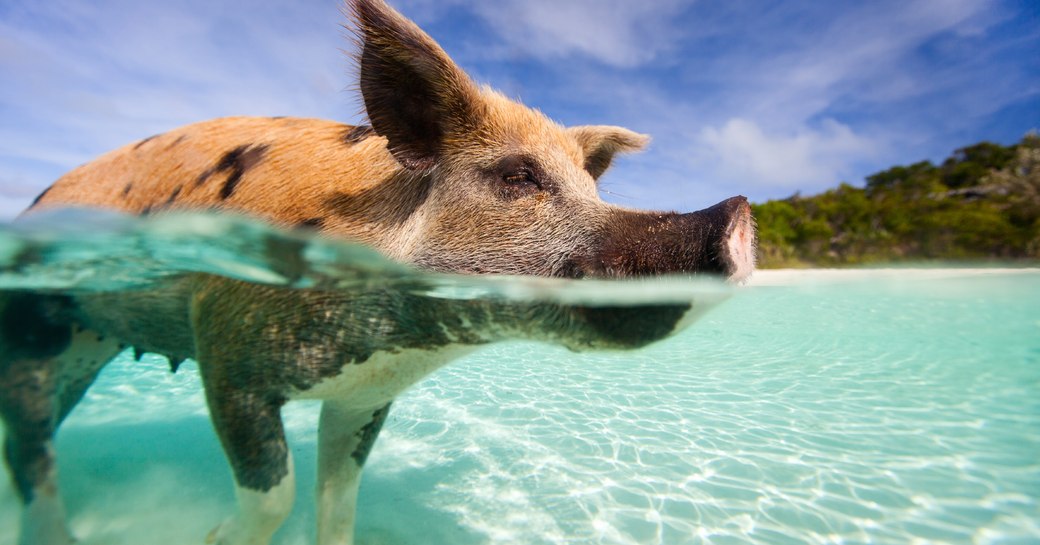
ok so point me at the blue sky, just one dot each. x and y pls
(754, 97)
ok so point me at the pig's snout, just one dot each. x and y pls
(718, 240)
(730, 231)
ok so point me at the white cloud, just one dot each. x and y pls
(862, 52)
(741, 151)
(615, 32)
(619, 33)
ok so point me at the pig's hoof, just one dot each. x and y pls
(218, 535)
(233, 532)
(44, 525)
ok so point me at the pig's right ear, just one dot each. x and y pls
(414, 93)
(602, 142)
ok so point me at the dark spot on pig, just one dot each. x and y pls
(179, 139)
(245, 160)
(206, 174)
(147, 210)
(312, 223)
(277, 117)
(173, 196)
(126, 189)
(250, 426)
(34, 326)
(369, 432)
(357, 134)
(146, 140)
(235, 162)
(40, 196)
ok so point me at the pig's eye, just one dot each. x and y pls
(520, 179)
(518, 176)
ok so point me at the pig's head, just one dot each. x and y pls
(506, 190)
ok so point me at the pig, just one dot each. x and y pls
(449, 176)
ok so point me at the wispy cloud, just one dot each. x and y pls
(618, 33)
(614, 32)
(740, 150)
(868, 52)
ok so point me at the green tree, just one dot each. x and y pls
(968, 166)
(983, 202)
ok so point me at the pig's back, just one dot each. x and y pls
(284, 170)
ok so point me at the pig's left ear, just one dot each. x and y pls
(414, 94)
(601, 143)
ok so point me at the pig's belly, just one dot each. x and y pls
(379, 379)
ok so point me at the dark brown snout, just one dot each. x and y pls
(733, 249)
(718, 240)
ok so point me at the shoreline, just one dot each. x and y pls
(786, 277)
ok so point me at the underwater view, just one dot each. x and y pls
(859, 406)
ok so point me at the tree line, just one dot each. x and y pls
(981, 203)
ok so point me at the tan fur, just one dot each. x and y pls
(307, 159)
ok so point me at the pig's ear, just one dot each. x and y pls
(414, 93)
(601, 143)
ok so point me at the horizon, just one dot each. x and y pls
(742, 98)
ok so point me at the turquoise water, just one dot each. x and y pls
(867, 407)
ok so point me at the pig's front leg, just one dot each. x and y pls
(346, 435)
(249, 425)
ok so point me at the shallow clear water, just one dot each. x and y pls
(811, 408)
